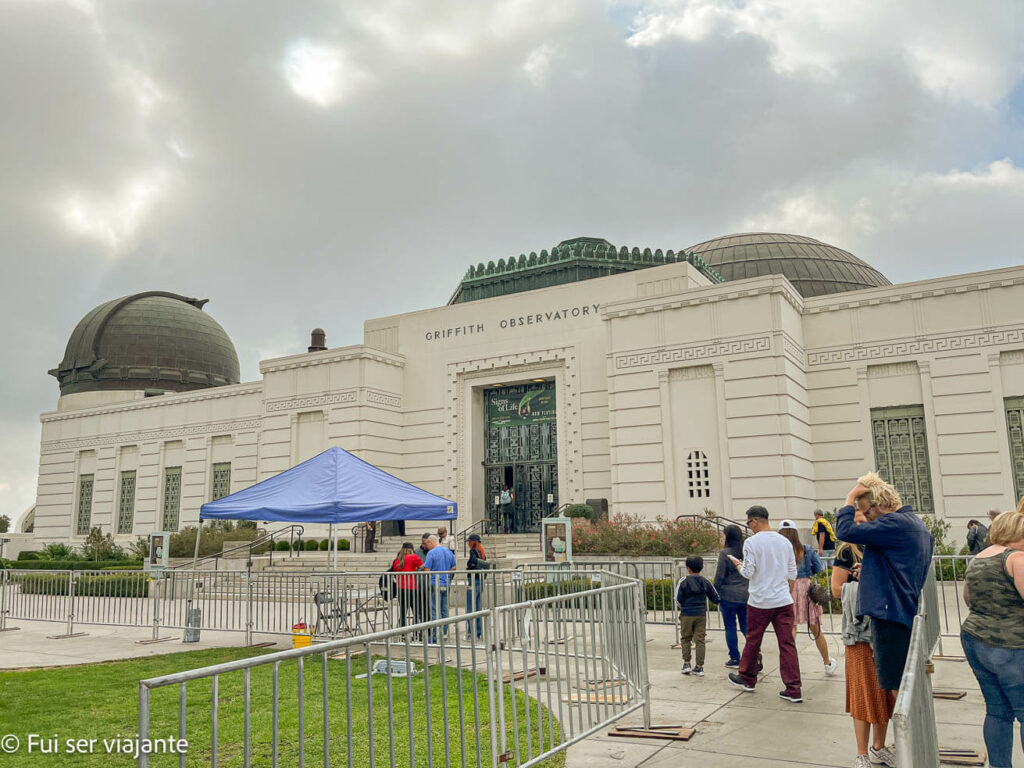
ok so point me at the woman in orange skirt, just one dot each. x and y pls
(868, 705)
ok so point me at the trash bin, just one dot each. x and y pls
(193, 621)
(302, 635)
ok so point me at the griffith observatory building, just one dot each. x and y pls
(753, 368)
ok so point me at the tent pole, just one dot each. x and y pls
(334, 544)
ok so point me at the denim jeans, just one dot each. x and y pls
(731, 614)
(438, 607)
(1000, 673)
(474, 600)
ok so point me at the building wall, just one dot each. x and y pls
(775, 391)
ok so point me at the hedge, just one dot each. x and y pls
(72, 565)
(98, 585)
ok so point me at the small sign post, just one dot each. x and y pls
(159, 551)
(556, 534)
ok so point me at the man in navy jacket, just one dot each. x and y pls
(897, 556)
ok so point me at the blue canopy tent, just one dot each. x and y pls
(332, 487)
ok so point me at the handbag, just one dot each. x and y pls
(818, 595)
(483, 565)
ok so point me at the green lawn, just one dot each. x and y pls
(101, 701)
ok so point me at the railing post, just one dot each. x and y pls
(248, 608)
(71, 602)
(143, 722)
(3, 600)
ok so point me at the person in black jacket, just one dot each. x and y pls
(692, 595)
(732, 588)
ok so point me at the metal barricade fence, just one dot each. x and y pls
(261, 602)
(574, 663)
(914, 714)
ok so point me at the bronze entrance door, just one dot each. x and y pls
(521, 438)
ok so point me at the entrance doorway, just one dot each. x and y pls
(521, 438)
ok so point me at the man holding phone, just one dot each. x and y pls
(770, 566)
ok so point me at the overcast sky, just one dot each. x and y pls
(320, 163)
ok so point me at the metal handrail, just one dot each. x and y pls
(719, 522)
(294, 531)
(479, 527)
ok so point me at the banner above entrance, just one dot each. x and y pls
(521, 405)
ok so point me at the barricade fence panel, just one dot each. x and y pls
(346, 603)
(542, 675)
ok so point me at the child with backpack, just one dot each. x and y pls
(692, 594)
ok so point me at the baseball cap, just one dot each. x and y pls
(787, 524)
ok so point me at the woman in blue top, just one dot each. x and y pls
(808, 564)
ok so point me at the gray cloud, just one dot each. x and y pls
(321, 163)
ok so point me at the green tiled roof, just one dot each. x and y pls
(581, 258)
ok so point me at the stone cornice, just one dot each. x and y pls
(685, 353)
(923, 289)
(691, 297)
(159, 401)
(340, 355)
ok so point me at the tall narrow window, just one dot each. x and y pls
(84, 516)
(126, 502)
(172, 498)
(221, 480)
(1015, 429)
(698, 475)
(901, 453)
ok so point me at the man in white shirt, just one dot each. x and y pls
(444, 539)
(770, 566)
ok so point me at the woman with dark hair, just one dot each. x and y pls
(408, 589)
(733, 590)
(474, 594)
(806, 611)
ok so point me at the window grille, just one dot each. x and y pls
(901, 453)
(172, 498)
(221, 480)
(698, 475)
(126, 502)
(84, 516)
(1015, 430)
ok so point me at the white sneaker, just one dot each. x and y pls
(830, 668)
(884, 756)
(862, 761)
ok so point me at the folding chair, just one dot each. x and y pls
(331, 618)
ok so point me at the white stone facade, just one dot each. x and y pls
(657, 372)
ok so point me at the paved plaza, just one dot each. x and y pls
(733, 728)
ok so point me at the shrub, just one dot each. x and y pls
(75, 565)
(28, 555)
(659, 594)
(297, 545)
(312, 545)
(630, 535)
(282, 546)
(183, 542)
(59, 552)
(557, 586)
(344, 545)
(325, 545)
(584, 511)
(138, 549)
(100, 546)
(98, 585)
(951, 568)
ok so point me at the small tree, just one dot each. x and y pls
(5, 523)
(98, 546)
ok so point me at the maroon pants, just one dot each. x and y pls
(782, 622)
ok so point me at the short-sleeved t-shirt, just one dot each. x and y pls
(846, 561)
(412, 562)
(441, 560)
(821, 525)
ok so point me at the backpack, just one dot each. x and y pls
(388, 585)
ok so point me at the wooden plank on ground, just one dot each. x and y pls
(345, 654)
(961, 757)
(522, 674)
(948, 693)
(596, 685)
(665, 732)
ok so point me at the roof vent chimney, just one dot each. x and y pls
(317, 340)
